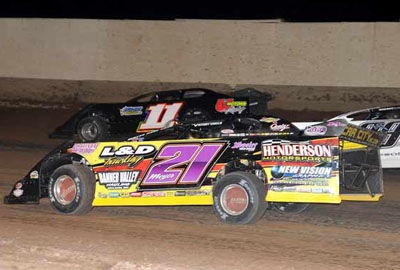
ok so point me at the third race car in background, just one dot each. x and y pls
(156, 110)
(384, 119)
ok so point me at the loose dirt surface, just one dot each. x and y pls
(348, 236)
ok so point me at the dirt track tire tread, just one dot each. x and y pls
(85, 186)
(101, 125)
(256, 192)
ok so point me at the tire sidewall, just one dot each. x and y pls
(255, 198)
(75, 173)
(94, 120)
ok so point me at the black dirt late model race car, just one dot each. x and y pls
(156, 110)
(239, 165)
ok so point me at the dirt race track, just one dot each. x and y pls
(347, 236)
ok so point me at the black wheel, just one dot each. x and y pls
(92, 129)
(194, 115)
(290, 208)
(239, 198)
(71, 189)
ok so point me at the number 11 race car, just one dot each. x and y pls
(238, 165)
(156, 110)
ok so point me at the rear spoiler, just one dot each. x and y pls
(258, 101)
(360, 170)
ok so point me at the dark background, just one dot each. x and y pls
(284, 10)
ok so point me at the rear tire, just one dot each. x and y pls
(239, 198)
(71, 189)
(92, 129)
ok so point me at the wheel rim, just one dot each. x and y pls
(65, 189)
(89, 131)
(234, 199)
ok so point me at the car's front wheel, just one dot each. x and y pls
(92, 129)
(71, 189)
(239, 198)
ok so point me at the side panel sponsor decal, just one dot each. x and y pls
(361, 135)
(129, 111)
(118, 179)
(84, 148)
(160, 116)
(297, 152)
(229, 105)
(245, 146)
(309, 167)
(279, 127)
(182, 164)
(315, 130)
(127, 150)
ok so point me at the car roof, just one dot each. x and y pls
(370, 109)
(186, 92)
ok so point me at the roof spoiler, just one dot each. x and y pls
(258, 100)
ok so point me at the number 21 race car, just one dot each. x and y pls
(238, 165)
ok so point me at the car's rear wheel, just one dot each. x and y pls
(92, 129)
(239, 198)
(71, 189)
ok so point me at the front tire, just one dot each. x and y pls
(239, 198)
(92, 129)
(71, 189)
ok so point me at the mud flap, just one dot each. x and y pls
(25, 191)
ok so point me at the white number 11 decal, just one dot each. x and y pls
(160, 116)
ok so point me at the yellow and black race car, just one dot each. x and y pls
(239, 165)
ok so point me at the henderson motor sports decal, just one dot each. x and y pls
(297, 152)
(306, 167)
